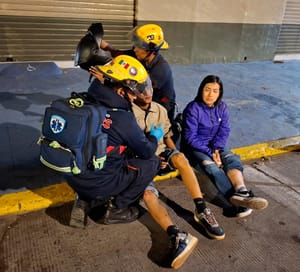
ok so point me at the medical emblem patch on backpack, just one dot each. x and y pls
(57, 123)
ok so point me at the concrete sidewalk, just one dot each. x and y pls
(267, 240)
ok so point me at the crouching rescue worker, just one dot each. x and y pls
(182, 243)
(122, 178)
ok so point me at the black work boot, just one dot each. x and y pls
(116, 216)
(79, 213)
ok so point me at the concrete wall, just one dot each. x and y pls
(206, 31)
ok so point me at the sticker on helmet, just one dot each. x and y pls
(133, 71)
(57, 123)
(150, 37)
(124, 64)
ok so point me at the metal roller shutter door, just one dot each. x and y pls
(50, 30)
(289, 37)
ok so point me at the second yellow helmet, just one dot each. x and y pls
(148, 37)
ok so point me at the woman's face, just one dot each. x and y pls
(210, 94)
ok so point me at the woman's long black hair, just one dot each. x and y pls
(209, 79)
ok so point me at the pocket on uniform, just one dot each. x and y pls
(56, 157)
(100, 151)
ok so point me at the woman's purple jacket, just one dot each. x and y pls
(205, 129)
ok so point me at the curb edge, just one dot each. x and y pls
(54, 195)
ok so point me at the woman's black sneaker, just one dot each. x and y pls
(248, 200)
(239, 212)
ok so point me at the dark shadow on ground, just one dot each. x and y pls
(183, 213)
(19, 161)
(61, 213)
(159, 251)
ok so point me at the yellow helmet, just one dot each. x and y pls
(129, 72)
(148, 37)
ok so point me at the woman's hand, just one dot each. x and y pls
(217, 158)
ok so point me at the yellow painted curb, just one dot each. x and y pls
(266, 149)
(54, 195)
(170, 175)
(29, 201)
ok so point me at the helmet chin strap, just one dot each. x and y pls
(146, 60)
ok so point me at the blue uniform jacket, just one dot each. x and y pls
(123, 132)
(162, 80)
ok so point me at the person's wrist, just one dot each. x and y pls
(106, 46)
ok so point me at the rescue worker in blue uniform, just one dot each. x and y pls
(124, 178)
(147, 40)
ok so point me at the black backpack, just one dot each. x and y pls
(177, 130)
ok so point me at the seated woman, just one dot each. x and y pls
(206, 130)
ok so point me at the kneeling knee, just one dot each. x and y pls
(149, 196)
(179, 159)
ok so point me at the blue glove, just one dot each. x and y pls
(157, 132)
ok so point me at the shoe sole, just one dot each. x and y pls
(110, 221)
(78, 218)
(244, 214)
(107, 221)
(255, 203)
(179, 261)
(211, 235)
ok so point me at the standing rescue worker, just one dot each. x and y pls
(147, 40)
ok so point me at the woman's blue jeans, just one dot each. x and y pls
(219, 175)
